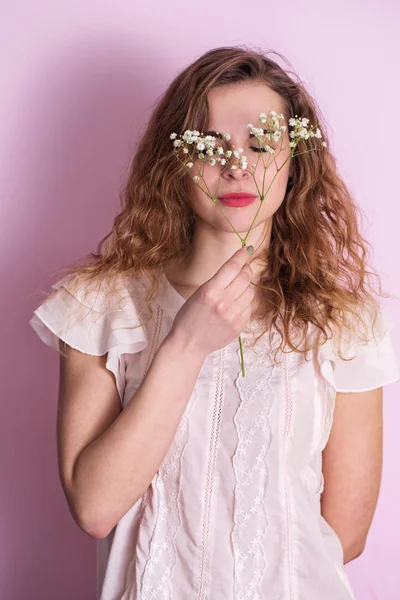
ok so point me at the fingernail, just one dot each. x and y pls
(250, 249)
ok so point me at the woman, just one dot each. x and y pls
(196, 481)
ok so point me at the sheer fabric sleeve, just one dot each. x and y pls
(86, 326)
(373, 363)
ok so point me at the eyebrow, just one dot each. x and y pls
(220, 136)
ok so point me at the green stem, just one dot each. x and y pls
(240, 342)
(241, 355)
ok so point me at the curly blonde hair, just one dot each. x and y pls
(316, 263)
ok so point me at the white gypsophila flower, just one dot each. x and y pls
(236, 154)
(233, 167)
(305, 122)
(191, 136)
(292, 134)
(269, 149)
(228, 153)
(187, 137)
(200, 146)
(189, 165)
(201, 155)
(220, 150)
(177, 143)
(263, 120)
(210, 152)
(272, 113)
(292, 144)
(212, 161)
(227, 136)
(262, 116)
(292, 122)
(323, 144)
(173, 136)
(196, 178)
(185, 151)
(223, 161)
(318, 133)
(240, 149)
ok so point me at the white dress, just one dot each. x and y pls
(233, 512)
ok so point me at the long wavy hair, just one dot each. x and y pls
(316, 265)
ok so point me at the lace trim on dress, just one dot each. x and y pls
(289, 418)
(251, 471)
(156, 580)
(204, 577)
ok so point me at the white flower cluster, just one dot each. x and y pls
(300, 131)
(204, 146)
(272, 134)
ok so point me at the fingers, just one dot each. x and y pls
(231, 269)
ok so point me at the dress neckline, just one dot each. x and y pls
(173, 299)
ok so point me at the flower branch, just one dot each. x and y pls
(193, 146)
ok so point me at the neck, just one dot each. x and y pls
(209, 252)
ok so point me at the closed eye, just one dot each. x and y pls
(259, 149)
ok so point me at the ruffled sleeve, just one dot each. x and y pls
(85, 324)
(373, 363)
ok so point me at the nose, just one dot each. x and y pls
(236, 173)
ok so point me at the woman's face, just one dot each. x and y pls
(231, 109)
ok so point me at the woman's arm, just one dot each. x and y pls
(108, 458)
(352, 468)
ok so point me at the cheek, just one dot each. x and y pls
(211, 174)
(269, 172)
(200, 202)
(268, 163)
(269, 207)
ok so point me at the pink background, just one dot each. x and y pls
(78, 80)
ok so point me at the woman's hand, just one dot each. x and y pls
(218, 310)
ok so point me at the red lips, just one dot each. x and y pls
(236, 195)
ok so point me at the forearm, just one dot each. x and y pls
(351, 543)
(113, 472)
(351, 551)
